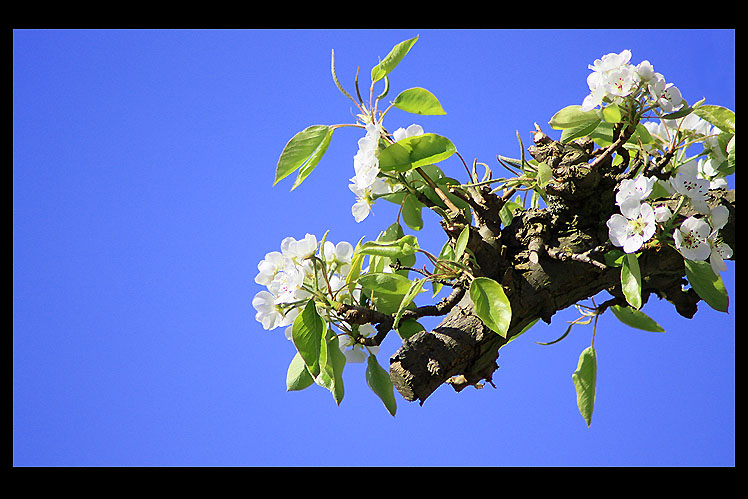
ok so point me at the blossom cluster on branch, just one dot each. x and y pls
(328, 301)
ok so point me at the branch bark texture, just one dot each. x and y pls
(546, 260)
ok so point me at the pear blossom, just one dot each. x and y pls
(364, 197)
(706, 170)
(269, 267)
(688, 183)
(691, 239)
(638, 189)
(645, 71)
(620, 82)
(635, 226)
(301, 249)
(341, 252)
(719, 250)
(404, 133)
(269, 313)
(356, 354)
(662, 213)
(611, 61)
(670, 100)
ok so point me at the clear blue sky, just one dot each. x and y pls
(143, 164)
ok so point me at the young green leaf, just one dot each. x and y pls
(399, 248)
(491, 304)
(408, 328)
(573, 116)
(298, 377)
(719, 116)
(415, 288)
(380, 383)
(575, 132)
(636, 319)
(412, 212)
(332, 363)
(707, 284)
(306, 148)
(383, 282)
(392, 60)
(461, 243)
(412, 152)
(612, 113)
(545, 174)
(585, 379)
(307, 332)
(631, 280)
(418, 101)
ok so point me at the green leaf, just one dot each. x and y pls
(332, 363)
(307, 332)
(412, 212)
(731, 154)
(578, 131)
(392, 60)
(415, 288)
(383, 282)
(305, 149)
(680, 113)
(631, 280)
(545, 174)
(418, 101)
(399, 248)
(612, 113)
(719, 116)
(585, 380)
(573, 116)
(641, 134)
(412, 152)
(636, 319)
(707, 284)
(380, 383)
(506, 214)
(461, 243)
(491, 304)
(603, 134)
(298, 377)
(408, 328)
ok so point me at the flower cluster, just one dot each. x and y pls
(696, 238)
(366, 184)
(636, 224)
(613, 79)
(294, 274)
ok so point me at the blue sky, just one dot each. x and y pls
(143, 163)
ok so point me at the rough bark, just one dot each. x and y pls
(546, 260)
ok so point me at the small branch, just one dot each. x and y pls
(562, 255)
(354, 314)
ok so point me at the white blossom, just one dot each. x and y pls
(645, 71)
(269, 313)
(364, 197)
(719, 250)
(356, 353)
(707, 171)
(638, 189)
(688, 183)
(268, 267)
(635, 226)
(404, 133)
(662, 214)
(691, 239)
